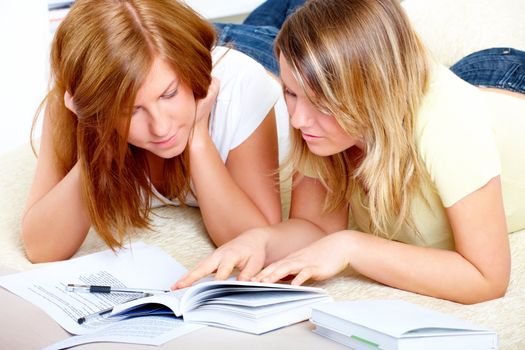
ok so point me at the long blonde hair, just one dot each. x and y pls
(363, 64)
(101, 53)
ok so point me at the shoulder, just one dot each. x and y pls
(230, 63)
(240, 73)
(449, 99)
(228, 54)
(451, 111)
(247, 94)
(246, 88)
(454, 136)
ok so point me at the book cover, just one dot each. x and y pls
(395, 324)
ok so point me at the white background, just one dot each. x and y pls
(25, 37)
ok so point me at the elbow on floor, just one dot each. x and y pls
(37, 253)
(494, 290)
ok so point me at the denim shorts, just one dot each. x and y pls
(502, 68)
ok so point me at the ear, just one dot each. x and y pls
(68, 101)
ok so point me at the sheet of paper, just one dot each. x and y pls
(136, 266)
(151, 330)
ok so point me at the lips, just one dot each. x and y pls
(308, 137)
(165, 142)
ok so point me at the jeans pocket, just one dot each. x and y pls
(502, 68)
(514, 79)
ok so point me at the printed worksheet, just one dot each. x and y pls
(135, 266)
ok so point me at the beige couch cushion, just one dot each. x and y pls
(453, 29)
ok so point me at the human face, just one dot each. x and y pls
(321, 132)
(163, 113)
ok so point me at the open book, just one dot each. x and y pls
(254, 307)
(394, 324)
(244, 306)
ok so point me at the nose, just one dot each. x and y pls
(301, 116)
(159, 122)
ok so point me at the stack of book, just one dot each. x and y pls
(394, 324)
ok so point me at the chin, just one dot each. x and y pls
(169, 153)
(321, 152)
(329, 150)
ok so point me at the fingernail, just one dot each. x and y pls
(178, 285)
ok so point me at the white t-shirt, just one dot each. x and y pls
(247, 94)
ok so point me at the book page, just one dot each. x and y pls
(138, 266)
(249, 306)
(207, 290)
(170, 300)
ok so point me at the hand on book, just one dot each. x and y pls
(318, 261)
(247, 253)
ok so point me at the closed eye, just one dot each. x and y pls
(135, 110)
(289, 93)
(170, 94)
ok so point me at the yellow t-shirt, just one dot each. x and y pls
(465, 137)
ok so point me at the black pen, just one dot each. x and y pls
(107, 311)
(71, 287)
(95, 314)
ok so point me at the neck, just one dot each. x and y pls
(356, 154)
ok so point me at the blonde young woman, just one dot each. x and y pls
(127, 127)
(401, 170)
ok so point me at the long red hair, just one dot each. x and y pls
(101, 53)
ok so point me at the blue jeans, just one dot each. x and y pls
(497, 67)
(502, 68)
(256, 35)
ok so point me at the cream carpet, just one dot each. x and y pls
(180, 232)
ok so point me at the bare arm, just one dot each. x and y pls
(478, 270)
(254, 249)
(244, 192)
(55, 220)
(307, 222)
